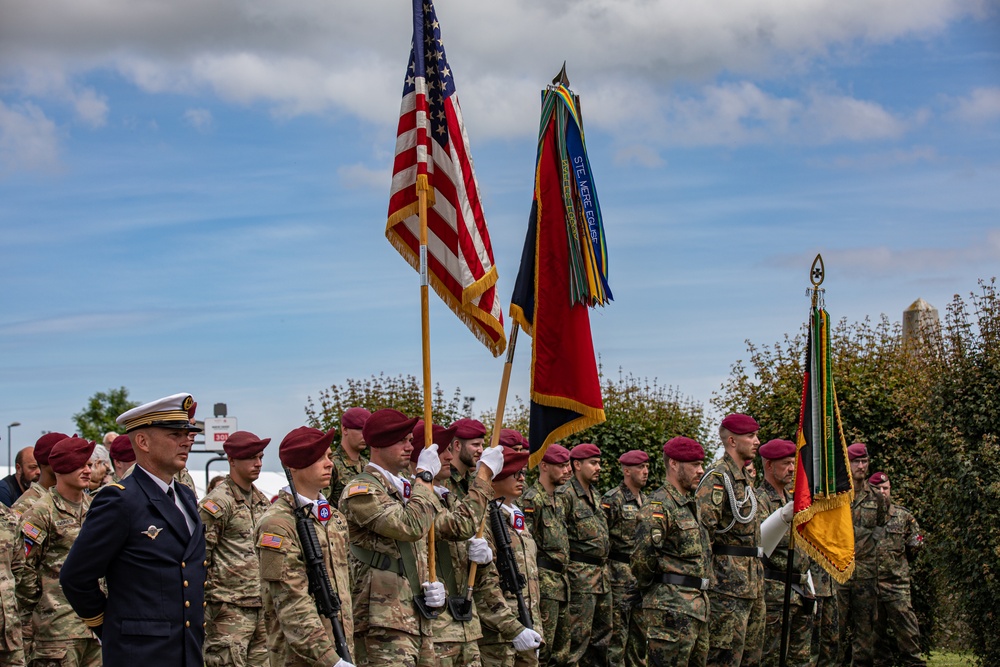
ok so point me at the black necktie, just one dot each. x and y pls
(170, 494)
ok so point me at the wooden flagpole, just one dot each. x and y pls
(425, 337)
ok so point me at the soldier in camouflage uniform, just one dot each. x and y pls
(347, 459)
(728, 508)
(297, 636)
(389, 519)
(506, 641)
(11, 576)
(589, 609)
(672, 561)
(779, 466)
(235, 632)
(466, 449)
(455, 526)
(902, 540)
(46, 479)
(621, 507)
(543, 512)
(826, 621)
(49, 529)
(858, 599)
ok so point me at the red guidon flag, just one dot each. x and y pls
(432, 154)
(823, 487)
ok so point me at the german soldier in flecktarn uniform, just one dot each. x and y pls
(389, 519)
(49, 528)
(589, 609)
(621, 507)
(347, 459)
(506, 641)
(728, 509)
(297, 636)
(779, 466)
(901, 542)
(235, 632)
(672, 563)
(145, 538)
(456, 546)
(11, 576)
(544, 517)
(466, 449)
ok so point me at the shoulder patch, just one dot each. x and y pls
(210, 506)
(655, 502)
(359, 489)
(113, 485)
(528, 509)
(31, 530)
(606, 505)
(271, 541)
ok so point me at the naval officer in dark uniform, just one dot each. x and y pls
(145, 537)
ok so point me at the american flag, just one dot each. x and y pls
(432, 152)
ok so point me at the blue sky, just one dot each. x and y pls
(193, 197)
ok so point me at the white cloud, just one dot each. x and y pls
(362, 177)
(199, 119)
(981, 106)
(91, 107)
(28, 139)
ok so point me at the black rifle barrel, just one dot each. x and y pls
(511, 579)
(327, 600)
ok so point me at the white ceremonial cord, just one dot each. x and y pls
(736, 506)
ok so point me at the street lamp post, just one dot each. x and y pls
(9, 427)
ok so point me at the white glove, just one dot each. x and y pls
(429, 461)
(788, 511)
(527, 640)
(434, 594)
(344, 663)
(479, 551)
(492, 458)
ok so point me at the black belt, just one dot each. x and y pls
(548, 564)
(620, 556)
(589, 560)
(778, 575)
(684, 581)
(746, 552)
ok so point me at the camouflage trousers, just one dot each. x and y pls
(235, 636)
(67, 653)
(454, 654)
(555, 632)
(673, 638)
(588, 620)
(735, 631)
(381, 646)
(504, 655)
(13, 658)
(800, 627)
(628, 645)
(897, 621)
(858, 602)
(826, 632)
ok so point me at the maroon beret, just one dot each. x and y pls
(44, 445)
(511, 438)
(354, 418)
(440, 436)
(634, 457)
(70, 454)
(777, 449)
(584, 450)
(386, 427)
(556, 454)
(856, 451)
(302, 447)
(513, 461)
(878, 478)
(683, 449)
(121, 450)
(244, 445)
(740, 424)
(468, 429)
(194, 406)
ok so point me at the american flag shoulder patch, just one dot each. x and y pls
(31, 530)
(271, 541)
(357, 489)
(211, 507)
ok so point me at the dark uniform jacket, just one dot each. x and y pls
(138, 539)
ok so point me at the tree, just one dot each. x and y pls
(98, 417)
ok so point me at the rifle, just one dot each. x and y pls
(511, 580)
(327, 600)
